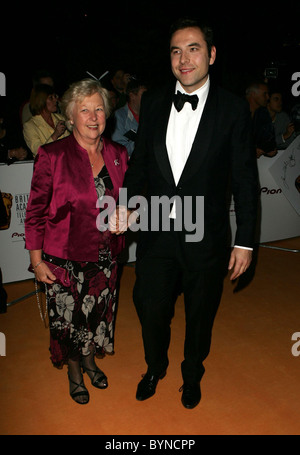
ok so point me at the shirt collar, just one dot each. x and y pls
(202, 91)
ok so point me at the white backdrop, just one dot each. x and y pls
(14, 259)
(279, 213)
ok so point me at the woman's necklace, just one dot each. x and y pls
(92, 164)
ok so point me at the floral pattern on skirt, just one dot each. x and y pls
(81, 317)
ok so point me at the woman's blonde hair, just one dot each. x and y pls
(80, 90)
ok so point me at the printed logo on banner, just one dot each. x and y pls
(20, 205)
(21, 201)
(7, 205)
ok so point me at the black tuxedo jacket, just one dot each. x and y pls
(222, 153)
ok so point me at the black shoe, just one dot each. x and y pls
(98, 378)
(79, 393)
(191, 395)
(147, 386)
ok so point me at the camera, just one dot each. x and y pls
(271, 73)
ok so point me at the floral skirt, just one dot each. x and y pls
(81, 317)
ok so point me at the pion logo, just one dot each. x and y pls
(265, 190)
(18, 236)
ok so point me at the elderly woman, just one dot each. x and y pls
(63, 235)
(46, 124)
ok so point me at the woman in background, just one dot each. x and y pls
(46, 124)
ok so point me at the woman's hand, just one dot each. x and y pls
(59, 130)
(44, 274)
(41, 270)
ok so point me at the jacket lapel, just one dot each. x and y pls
(160, 148)
(115, 164)
(203, 137)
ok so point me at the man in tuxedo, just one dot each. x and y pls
(188, 150)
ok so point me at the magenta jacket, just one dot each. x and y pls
(62, 212)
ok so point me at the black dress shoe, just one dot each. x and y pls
(147, 386)
(191, 395)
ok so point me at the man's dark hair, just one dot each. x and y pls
(134, 85)
(40, 74)
(186, 22)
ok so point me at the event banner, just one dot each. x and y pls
(15, 183)
(278, 211)
(286, 173)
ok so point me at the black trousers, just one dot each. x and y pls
(160, 274)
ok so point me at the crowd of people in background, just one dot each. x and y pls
(275, 125)
(273, 128)
(40, 121)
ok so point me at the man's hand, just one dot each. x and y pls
(239, 262)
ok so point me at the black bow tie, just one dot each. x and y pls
(180, 98)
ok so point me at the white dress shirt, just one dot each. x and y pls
(181, 131)
(182, 128)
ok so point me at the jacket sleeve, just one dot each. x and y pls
(244, 178)
(39, 201)
(33, 137)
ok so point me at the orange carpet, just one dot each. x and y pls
(251, 384)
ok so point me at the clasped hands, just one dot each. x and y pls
(121, 219)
